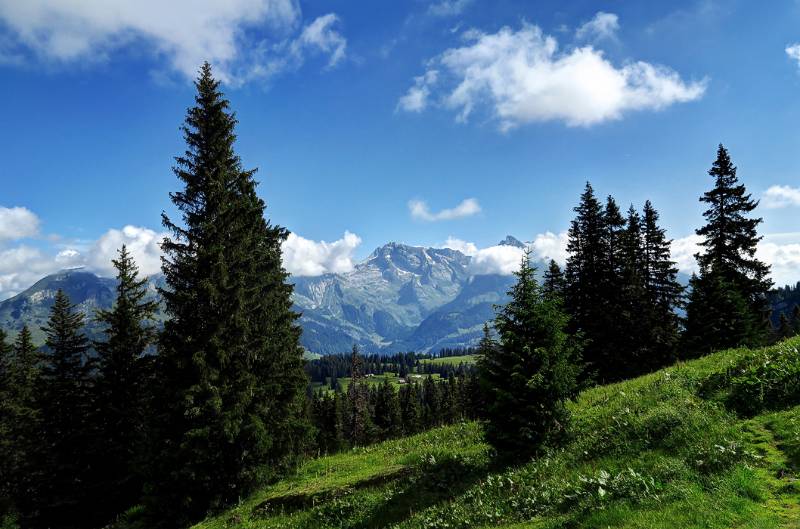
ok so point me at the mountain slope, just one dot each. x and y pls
(661, 451)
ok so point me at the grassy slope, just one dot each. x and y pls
(646, 453)
(452, 360)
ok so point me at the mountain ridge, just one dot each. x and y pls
(400, 298)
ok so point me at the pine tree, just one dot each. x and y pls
(553, 281)
(358, 421)
(6, 439)
(533, 371)
(784, 329)
(432, 399)
(586, 274)
(632, 309)
(664, 292)
(729, 271)
(20, 429)
(387, 411)
(233, 380)
(121, 391)
(796, 319)
(65, 455)
(411, 408)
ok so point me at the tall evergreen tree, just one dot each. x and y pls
(234, 385)
(6, 440)
(387, 411)
(730, 274)
(553, 280)
(124, 380)
(64, 457)
(19, 430)
(591, 287)
(664, 292)
(533, 371)
(358, 420)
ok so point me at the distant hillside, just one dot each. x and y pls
(685, 447)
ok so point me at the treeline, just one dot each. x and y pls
(329, 368)
(368, 413)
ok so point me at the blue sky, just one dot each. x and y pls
(375, 121)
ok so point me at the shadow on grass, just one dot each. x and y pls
(437, 483)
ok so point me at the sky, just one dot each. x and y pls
(446, 123)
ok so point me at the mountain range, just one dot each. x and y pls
(401, 298)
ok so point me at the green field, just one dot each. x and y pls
(451, 360)
(661, 451)
(376, 380)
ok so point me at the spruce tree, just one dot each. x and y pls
(533, 370)
(358, 421)
(632, 310)
(664, 292)
(796, 319)
(784, 329)
(730, 273)
(6, 439)
(586, 274)
(233, 380)
(411, 408)
(65, 454)
(20, 430)
(553, 280)
(387, 411)
(124, 379)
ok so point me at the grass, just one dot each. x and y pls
(451, 360)
(667, 450)
(377, 380)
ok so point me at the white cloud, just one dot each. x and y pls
(304, 257)
(448, 8)
(184, 32)
(501, 259)
(420, 211)
(781, 196)
(784, 259)
(504, 259)
(521, 77)
(17, 223)
(467, 248)
(602, 26)
(683, 251)
(416, 99)
(548, 245)
(793, 51)
(143, 244)
(320, 35)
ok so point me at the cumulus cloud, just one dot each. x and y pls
(781, 196)
(144, 245)
(683, 251)
(504, 259)
(420, 211)
(448, 8)
(602, 26)
(521, 77)
(467, 248)
(501, 259)
(304, 257)
(793, 51)
(416, 99)
(548, 245)
(184, 32)
(17, 223)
